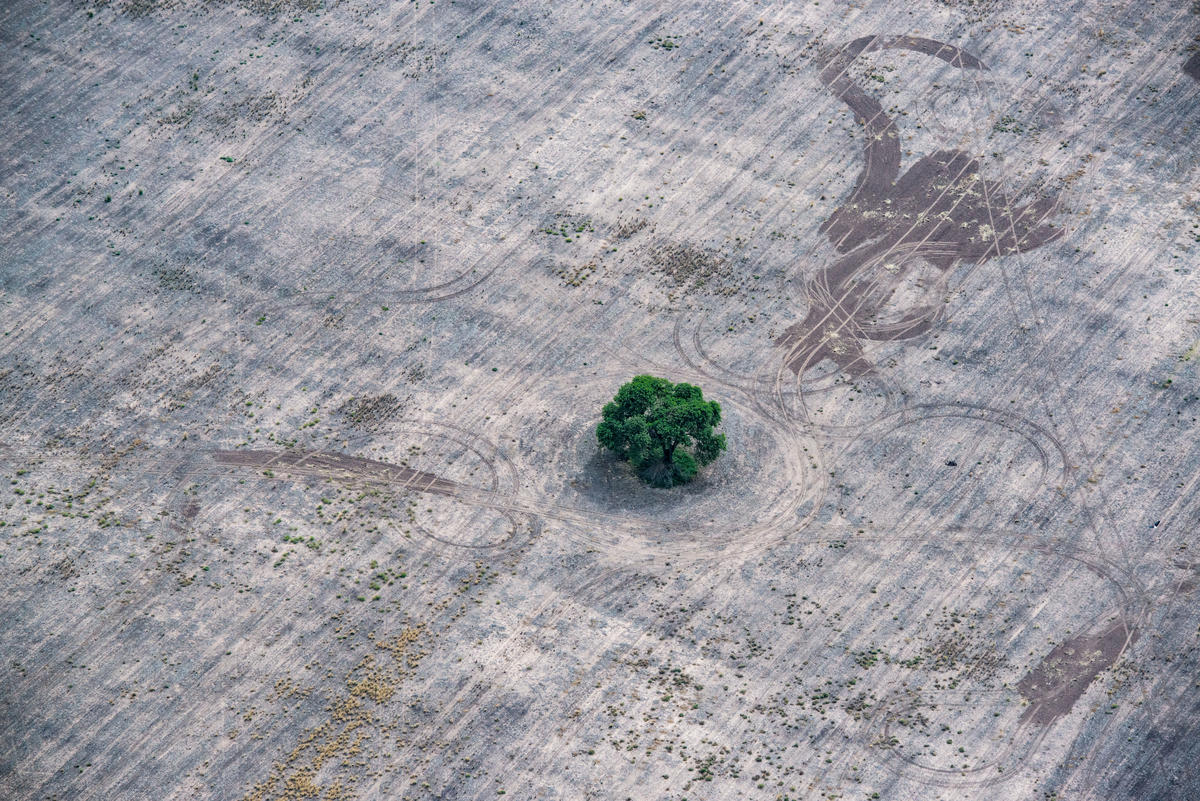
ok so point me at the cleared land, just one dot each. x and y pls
(307, 313)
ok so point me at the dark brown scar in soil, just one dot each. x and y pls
(940, 212)
(1192, 67)
(1058, 681)
(339, 466)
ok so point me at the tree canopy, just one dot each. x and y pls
(664, 430)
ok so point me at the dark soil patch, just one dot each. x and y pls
(338, 466)
(1058, 681)
(1192, 67)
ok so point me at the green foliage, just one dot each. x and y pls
(665, 430)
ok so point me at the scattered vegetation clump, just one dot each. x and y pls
(684, 265)
(369, 413)
(868, 658)
(568, 227)
(627, 228)
(575, 276)
(1008, 124)
(177, 279)
(962, 652)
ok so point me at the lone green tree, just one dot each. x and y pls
(665, 430)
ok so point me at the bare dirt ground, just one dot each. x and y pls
(308, 309)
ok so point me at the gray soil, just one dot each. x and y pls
(308, 310)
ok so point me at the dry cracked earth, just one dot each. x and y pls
(307, 311)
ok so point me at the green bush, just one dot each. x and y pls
(664, 430)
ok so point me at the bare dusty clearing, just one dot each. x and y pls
(308, 311)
